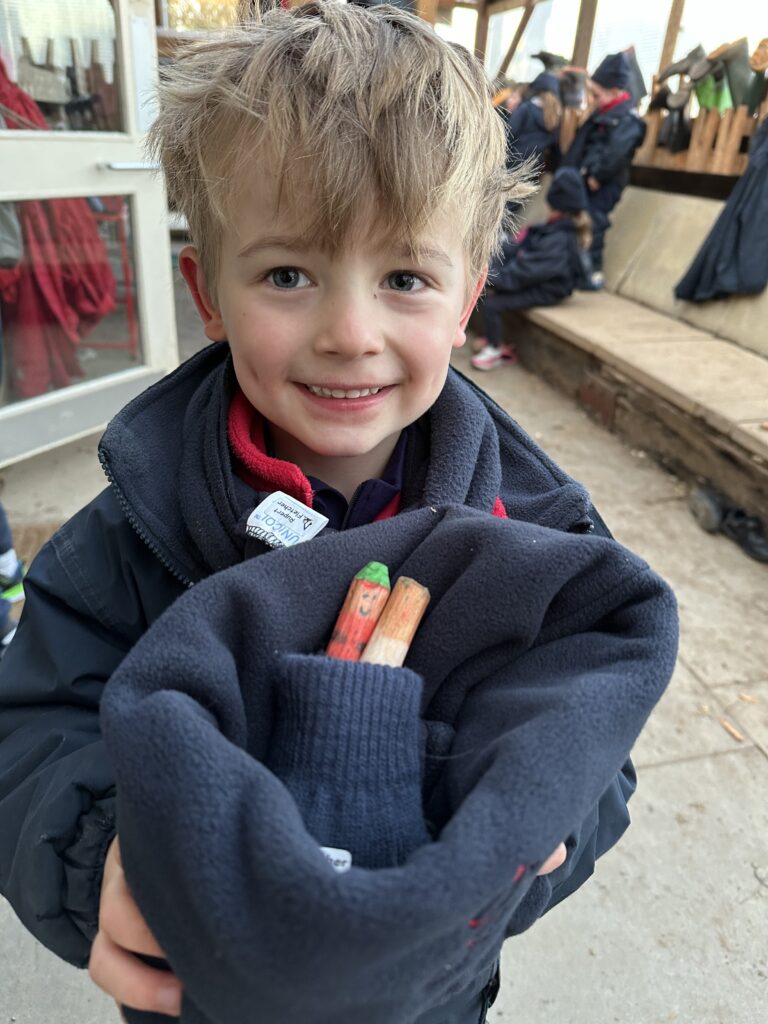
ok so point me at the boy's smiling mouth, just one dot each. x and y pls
(359, 392)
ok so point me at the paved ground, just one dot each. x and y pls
(673, 927)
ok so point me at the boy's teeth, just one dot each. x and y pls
(338, 393)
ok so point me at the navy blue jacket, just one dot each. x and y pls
(733, 259)
(239, 750)
(173, 514)
(604, 145)
(527, 136)
(543, 269)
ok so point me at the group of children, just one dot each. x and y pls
(532, 269)
(167, 727)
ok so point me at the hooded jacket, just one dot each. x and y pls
(239, 750)
(174, 514)
(528, 137)
(543, 269)
(604, 145)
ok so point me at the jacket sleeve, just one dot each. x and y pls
(537, 276)
(594, 667)
(530, 265)
(617, 152)
(601, 829)
(83, 611)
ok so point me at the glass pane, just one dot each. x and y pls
(501, 30)
(57, 65)
(552, 27)
(703, 25)
(68, 309)
(457, 25)
(191, 15)
(619, 25)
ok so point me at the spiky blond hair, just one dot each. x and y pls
(357, 108)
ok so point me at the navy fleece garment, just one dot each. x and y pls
(237, 751)
(175, 513)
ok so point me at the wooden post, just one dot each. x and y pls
(521, 27)
(584, 28)
(161, 13)
(702, 140)
(481, 32)
(427, 9)
(673, 30)
(645, 154)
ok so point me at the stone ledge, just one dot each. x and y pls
(715, 380)
(695, 401)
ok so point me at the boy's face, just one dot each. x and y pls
(339, 352)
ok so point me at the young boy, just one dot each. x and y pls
(334, 267)
(603, 149)
(539, 268)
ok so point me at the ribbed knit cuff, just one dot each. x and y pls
(347, 745)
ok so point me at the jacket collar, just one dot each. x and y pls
(608, 115)
(167, 455)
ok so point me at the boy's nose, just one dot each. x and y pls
(349, 328)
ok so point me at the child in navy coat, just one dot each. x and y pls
(334, 270)
(533, 127)
(541, 267)
(603, 148)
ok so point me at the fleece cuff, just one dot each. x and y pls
(348, 746)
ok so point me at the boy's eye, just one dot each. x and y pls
(287, 278)
(402, 281)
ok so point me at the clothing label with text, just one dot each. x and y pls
(281, 521)
(340, 860)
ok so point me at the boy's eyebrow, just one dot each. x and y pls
(424, 253)
(274, 242)
(428, 253)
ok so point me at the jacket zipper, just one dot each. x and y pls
(355, 496)
(137, 527)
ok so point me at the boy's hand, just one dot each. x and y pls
(593, 184)
(553, 861)
(123, 932)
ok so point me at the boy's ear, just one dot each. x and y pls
(461, 335)
(192, 272)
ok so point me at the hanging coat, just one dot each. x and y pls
(734, 257)
(63, 285)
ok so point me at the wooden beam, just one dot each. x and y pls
(161, 13)
(481, 32)
(673, 30)
(501, 6)
(521, 27)
(584, 29)
(427, 9)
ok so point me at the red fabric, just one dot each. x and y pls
(615, 101)
(389, 510)
(245, 428)
(64, 284)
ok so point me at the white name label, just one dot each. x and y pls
(281, 521)
(340, 860)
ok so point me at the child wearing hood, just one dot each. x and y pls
(540, 267)
(533, 127)
(603, 148)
